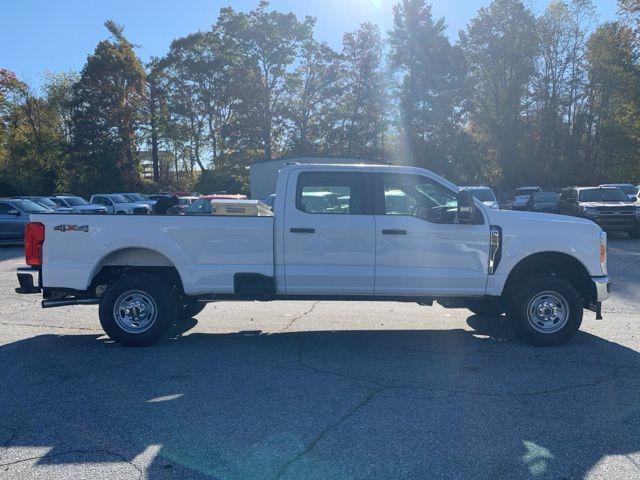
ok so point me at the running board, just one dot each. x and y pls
(65, 302)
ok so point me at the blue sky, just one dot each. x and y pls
(49, 35)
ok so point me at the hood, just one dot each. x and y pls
(606, 204)
(132, 205)
(500, 217)
(90, 206)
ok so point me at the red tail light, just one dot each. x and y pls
(33, 240)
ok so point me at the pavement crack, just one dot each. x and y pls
(327, 429)
(294, 319)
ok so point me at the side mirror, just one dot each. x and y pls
(466, 207)
(15, 213)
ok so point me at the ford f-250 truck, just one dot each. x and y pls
(338, 232)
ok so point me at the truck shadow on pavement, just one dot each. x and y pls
(341, 404)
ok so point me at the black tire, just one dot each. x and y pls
(554, 292)
(486, 307)
(146, 294)
(191, 308)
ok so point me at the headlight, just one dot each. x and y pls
(590, 211)
(603, 252)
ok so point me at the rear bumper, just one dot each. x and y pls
(29, 280)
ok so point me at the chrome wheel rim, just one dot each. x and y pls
(135, 311)
(548, 312)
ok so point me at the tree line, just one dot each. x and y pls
(552, 99)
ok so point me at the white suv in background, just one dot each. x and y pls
(120, 205)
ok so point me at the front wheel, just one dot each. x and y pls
(138, 310)
(545, 310)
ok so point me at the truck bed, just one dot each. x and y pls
(206, 250)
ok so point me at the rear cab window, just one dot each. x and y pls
(330, 193)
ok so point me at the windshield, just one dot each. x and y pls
(44, 201)
(31, 207)
(545, 197)
(527, 190)
(76, 201)
(628, 188)
(603, 195)
(483, 194)
(135, 197)
(119, 199)
(202, 206)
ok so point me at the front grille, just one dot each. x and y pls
(614, 217)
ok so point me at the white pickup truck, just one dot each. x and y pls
(339, 232)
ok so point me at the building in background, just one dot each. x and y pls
(263, 174)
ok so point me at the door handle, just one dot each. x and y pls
(394, 232)
(302, 230)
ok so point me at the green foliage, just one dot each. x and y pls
(518, 99)
(229, 180)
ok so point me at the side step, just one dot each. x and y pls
(65, 302)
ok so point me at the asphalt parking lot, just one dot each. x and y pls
(326, 390)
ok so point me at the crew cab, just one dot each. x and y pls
(386, 234)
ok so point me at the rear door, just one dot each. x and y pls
(328, 234)
(420, 248)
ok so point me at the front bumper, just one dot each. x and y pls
(29, 280)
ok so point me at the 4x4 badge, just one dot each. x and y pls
(72, 228)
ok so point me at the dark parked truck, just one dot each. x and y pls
(607, 206)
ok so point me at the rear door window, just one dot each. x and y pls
(331, 193)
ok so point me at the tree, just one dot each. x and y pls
(361, 123)
(107, 108)
(313, 98)
(558, 89)
(500, 47)
(270, 41)
(614, 88)
(432, 74)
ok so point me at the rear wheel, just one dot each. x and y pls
(138, 310)
(545, 310)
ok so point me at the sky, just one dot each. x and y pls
(37, 36)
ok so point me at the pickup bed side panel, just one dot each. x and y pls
(207, 251)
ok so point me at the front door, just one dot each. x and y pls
(11, 223)
(420, 247)
(328, 234)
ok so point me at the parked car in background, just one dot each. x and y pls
(608, 207)
(137, 198)
(45, 202)
(78, 204)
(202, 206)
(485, 195)
(522, 197)
(631, 191)
(543, 202)
(182, 205)
(14, 215)
(120, 204)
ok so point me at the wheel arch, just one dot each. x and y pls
(558, 264)
(122, 261)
